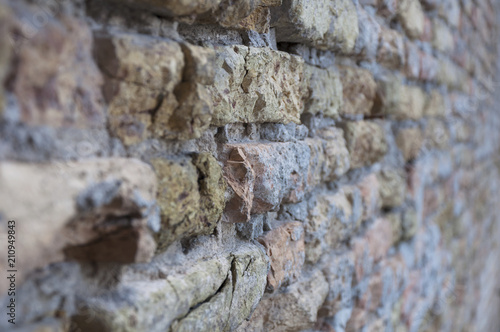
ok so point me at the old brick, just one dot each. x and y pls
(366, 142)
(435, 105)
(400, 100)
(372, 247)
(412, 17)
(256, 85)
(285, 248)
(97, 210)
(392, 188)
(370, 190)
(442, 37)
(330, 221)
(338, 270)
(291, 310)
(155, 87)
(322, 24)
(359, 89)
(190, 196)
(56, 81)
(391, 49)
(324, 91)
(409, 141)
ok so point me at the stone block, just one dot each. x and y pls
(285, 247)
(56, 81)
(392, 188)
(442, 40)
(324, 91)
(190, 196)
(401, 101)
(359, 90)
(291, 310)
(370, 190)
(365, 141)
(391, 51)
(409, 141)
(435, 105)
(256, 85)
(411, 15)
(322, 24)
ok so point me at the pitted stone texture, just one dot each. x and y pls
(285, 248)
(410, 141)
(359, 90)
(392, 188)
(56, 81)
(323, 24)
(290, 310)
(401, 101)
(256, 85)
(324, 91)
(190, 196)
(365, 141)
(89, 210)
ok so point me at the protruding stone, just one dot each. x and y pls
(359, 89)
(366, 142)
(285, 248)
(322, 24)
(95, 210)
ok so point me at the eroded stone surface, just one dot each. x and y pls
(324, 91)
(256, 85)
(359, 89)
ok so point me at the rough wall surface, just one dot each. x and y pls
(250, 165)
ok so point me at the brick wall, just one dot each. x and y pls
(251, 165)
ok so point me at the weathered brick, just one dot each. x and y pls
(56, 81)
(392, 188)
(366, 142)
(285, 248)
(338, 270)
(263, 176)
(411, 15)
(290, 310)
(409, 141)
(391, 52)
(155, 87)
(359, 89)
(331, 219)
(322, 24)
(369, 187)
(72, 208)
(256, 85)
(372, 247)
(436, 134)
(442, 37)
(190, 196)
(400, 100)
(226, 288)
(324, 91)
(435, 105)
